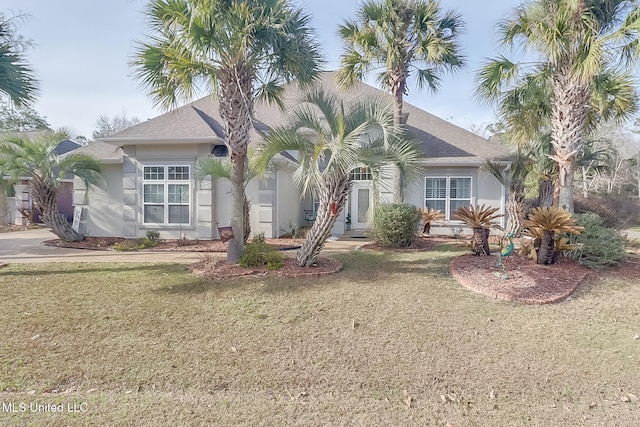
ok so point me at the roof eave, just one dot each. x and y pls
(162, 141)
(448, 162)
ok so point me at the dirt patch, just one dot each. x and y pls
(183, 245)
(220, 269)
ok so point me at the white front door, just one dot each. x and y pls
(361, 201)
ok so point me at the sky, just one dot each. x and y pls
(82, 51)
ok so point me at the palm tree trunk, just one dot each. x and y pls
(515, 211)
(246, 210)
(569, 116)
(398, 82)
(44, 195)
(236, 108)
(398, 185)
(546, 251)
(332, 190)
(545, 193)
(481, 240)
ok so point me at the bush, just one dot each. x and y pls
(395, 225)
(615, 212)
(153, 236)
(151, 240)
(597, 247)
(259, 254)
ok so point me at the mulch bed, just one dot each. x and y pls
(521, 281)
(184, 245)
(219, 269)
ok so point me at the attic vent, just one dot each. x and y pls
(403, 118)
(220, 151)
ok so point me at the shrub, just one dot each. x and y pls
(597, 247)
(149, 241)
(615, 212)
(395, 225)
(130, 245)
(259, 254)
(153, 236)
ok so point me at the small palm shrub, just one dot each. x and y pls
(260, 254)
(543, 225)
(395, 225)
(597, 247)
(481, 219)
(429, 215)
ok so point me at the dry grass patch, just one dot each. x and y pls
(390, 340)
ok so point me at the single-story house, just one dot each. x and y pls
(19, 203)
(151, 183)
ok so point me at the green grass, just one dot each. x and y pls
(151, 345)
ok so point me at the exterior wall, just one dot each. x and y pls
(485, 189)
(289, 206)
(115, 207)
(101, 203)
(22, 199)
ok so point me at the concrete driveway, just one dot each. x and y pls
(26, 247)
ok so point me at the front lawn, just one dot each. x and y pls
(391, 340)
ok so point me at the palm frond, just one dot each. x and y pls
(478, 216)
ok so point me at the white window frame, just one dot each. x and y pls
(448, 199)
(166, 182)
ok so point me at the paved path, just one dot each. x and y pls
(26, 247)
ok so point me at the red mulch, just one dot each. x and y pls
(521, 281)
(184, 245)
(219, 269)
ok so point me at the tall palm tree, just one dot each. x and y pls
(582, 47)
(17, 79)
(399, 38)
(36, 162)
(239, 50)
(330, 139)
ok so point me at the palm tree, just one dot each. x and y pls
(544, 224)
(400, 38)
(330, 139)
(36, 162)
(582, 48)
(481, 219)
(240, 50)
(17, 79)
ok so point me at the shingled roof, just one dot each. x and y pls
(441, 142)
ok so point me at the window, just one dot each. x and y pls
(360, 174)
(447, 194)
(11, 191)
(166, 194)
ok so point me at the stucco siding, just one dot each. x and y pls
(289, 206)
(102, 203)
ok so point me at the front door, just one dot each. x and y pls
(361, 201)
